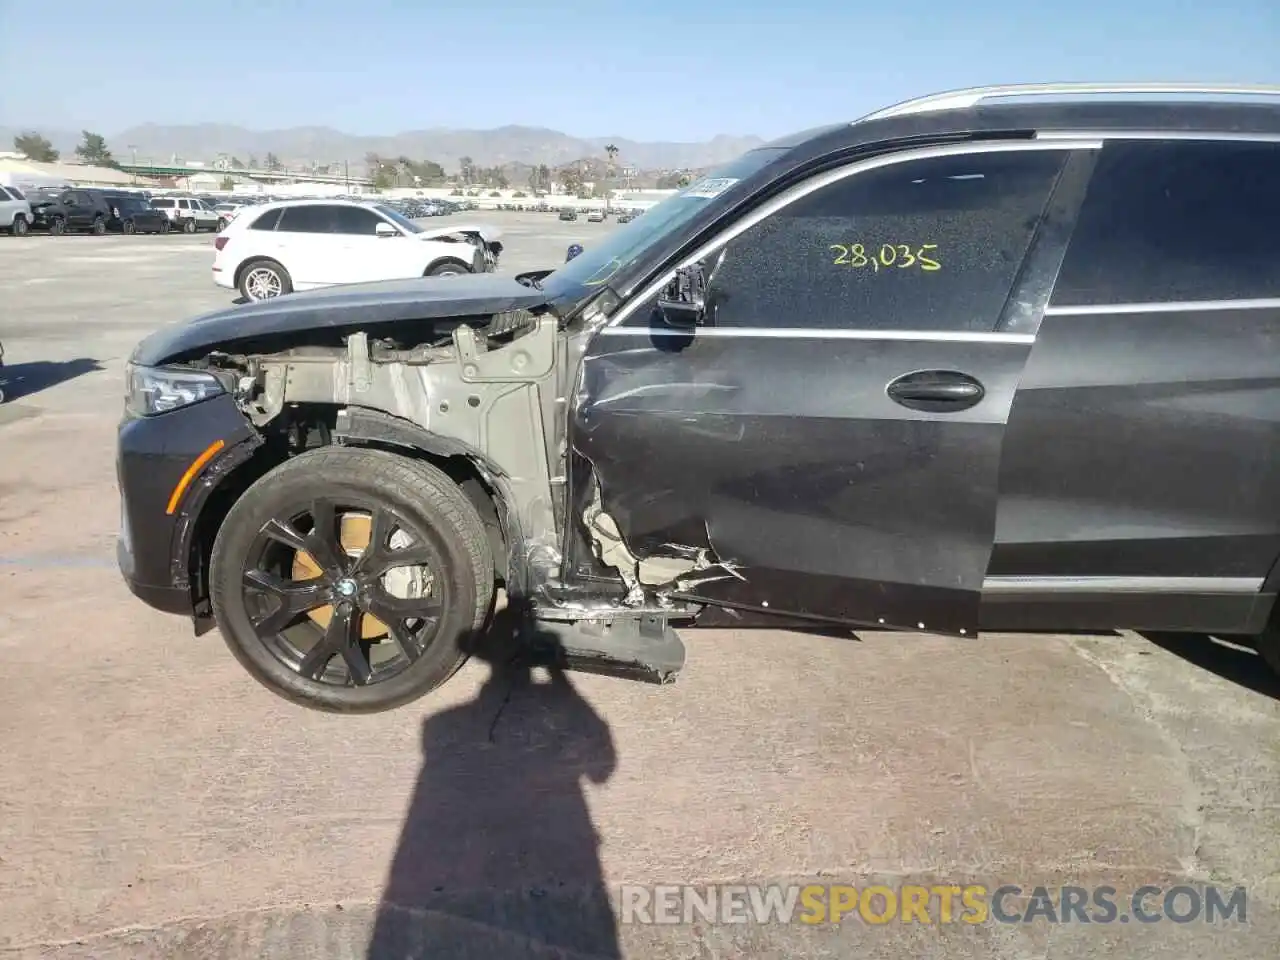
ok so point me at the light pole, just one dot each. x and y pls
(134, 150)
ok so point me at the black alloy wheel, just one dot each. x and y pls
(354, 587)
(351, 580)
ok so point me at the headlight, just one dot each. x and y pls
(153, 390)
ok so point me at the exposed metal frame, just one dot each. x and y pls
(972, 96)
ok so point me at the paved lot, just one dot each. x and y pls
(155, 802)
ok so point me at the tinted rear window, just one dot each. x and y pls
(163, 202)
(308, 219)
(1177, 221)
(266, 221)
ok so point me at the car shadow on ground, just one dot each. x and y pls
(1230, 658)
(24, 379)
(498, 856)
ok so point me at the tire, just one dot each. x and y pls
(220, 226)
(129, 227)
(57, 226)
(19, 227)
(445, 527)
(164, 227)
(450, 268)
(255, 275)
(188, 226)
(99, 226)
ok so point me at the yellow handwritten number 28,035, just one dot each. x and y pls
(889, 255)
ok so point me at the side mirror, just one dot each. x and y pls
(683, 303)
(384, 229)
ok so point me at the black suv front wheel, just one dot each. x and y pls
(352, 580)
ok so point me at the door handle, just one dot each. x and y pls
(936, 391)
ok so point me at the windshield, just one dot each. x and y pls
(395, 215)
(597, 263)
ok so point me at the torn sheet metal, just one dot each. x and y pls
(678, 569)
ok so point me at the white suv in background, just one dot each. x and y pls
(187, 213)
(15, 211)
(276, 248)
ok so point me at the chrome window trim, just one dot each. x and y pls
(1171, 306)
(817, 182)
(1020, 584)
(815, 333)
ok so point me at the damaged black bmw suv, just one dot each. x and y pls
(999, 359)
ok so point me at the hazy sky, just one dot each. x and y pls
(646, 69)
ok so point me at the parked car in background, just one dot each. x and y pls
(188, 214)
(568, 213)
(15, 211)
(227, 212)
(71, 211)
(304, 244)
(595, 216)
(133, 214)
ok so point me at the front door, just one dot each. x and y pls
(365, 255)
(828, 442)
(79, 208)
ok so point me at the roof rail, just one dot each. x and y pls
(972, 96)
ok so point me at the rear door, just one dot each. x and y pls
(828, 444)
(310, 248)
(1155, 375)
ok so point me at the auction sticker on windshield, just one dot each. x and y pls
(711, 187)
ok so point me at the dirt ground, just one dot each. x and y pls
(156, 802)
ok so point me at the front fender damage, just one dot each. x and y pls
(491, 390)
(462, 394)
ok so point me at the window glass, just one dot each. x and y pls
(6, 195)
(266, 221)
(162, 203)
(931, 244)
(1176, 220)
(307, 219)
(17, 194)
(355, 220)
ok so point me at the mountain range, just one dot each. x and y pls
(303, 145)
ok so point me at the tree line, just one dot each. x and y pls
(92, 150)
(384, 171)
